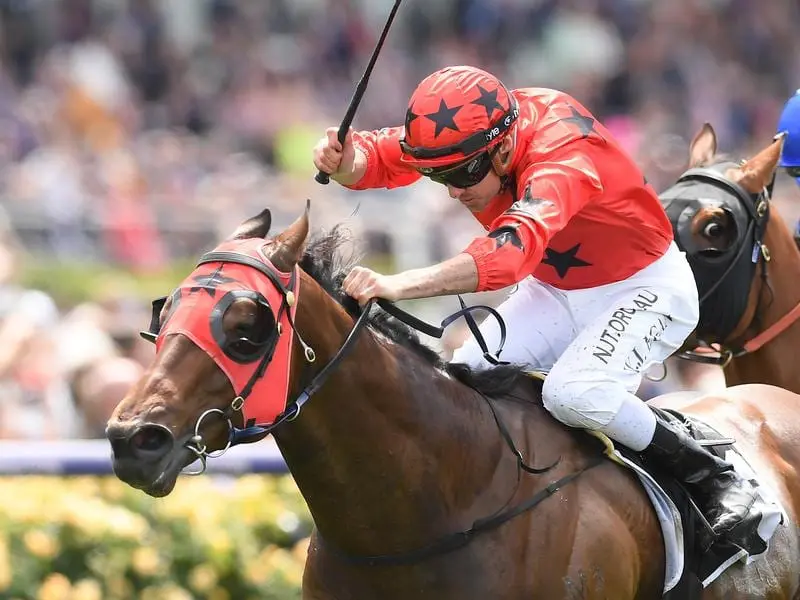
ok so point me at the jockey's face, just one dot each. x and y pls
(477, 197)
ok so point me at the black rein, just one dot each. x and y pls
(448, 543)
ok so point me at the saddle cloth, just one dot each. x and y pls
(690, 568)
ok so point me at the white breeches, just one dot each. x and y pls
(597, 342)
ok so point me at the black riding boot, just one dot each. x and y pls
(724, 497)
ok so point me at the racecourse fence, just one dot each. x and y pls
(93, 457)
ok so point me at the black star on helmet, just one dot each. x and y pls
(488, 100)
(410, 116)
(209, 283)
(444, 118)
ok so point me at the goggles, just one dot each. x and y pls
(793, 171)
(463, 175)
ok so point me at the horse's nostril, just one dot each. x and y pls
(151, 441)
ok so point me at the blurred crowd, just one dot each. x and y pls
(138, 132)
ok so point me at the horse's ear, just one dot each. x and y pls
(703, 147)
(291, 242)
(757, 172)
(253, 227)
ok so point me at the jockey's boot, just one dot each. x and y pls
(724, 497)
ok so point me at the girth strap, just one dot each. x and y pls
(454, 541)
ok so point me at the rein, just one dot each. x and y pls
(721, 354)
(253, 431)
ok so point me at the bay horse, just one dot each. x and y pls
(745, 260)
(425, 480)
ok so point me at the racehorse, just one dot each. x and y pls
(745, 260)
(425, 480)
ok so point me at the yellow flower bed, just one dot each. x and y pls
(90, 538)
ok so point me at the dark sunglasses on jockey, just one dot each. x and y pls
(465, 174)
(793, 171)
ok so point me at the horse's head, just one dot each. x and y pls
(719, 210)
(223, 336)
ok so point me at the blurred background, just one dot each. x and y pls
(134, 134)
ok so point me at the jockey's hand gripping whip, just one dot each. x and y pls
(324, 178)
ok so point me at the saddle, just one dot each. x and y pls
(694, 556)
(705, 556)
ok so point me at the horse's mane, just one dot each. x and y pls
(327, 261)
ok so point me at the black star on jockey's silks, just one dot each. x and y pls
(562, 262)
(531, 206)
(209, 283)
(584, 124)
(506, 235)
(488, 100)
(444, 118)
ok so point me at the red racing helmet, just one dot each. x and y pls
(454, 114)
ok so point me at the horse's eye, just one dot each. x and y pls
(246, 325)
(713, 229)
(249, 320)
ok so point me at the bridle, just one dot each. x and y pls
(253, 431)
(732, 285)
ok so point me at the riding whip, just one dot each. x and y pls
(324, 178)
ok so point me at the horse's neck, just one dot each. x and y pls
(773, 363)
(386, 440)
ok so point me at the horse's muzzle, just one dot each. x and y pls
(141, 451)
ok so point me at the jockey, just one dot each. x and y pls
(602, 290)
(789, 122)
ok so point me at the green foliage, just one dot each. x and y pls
(97, 539)
(70, 283)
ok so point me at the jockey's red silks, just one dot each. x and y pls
(193, 314)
